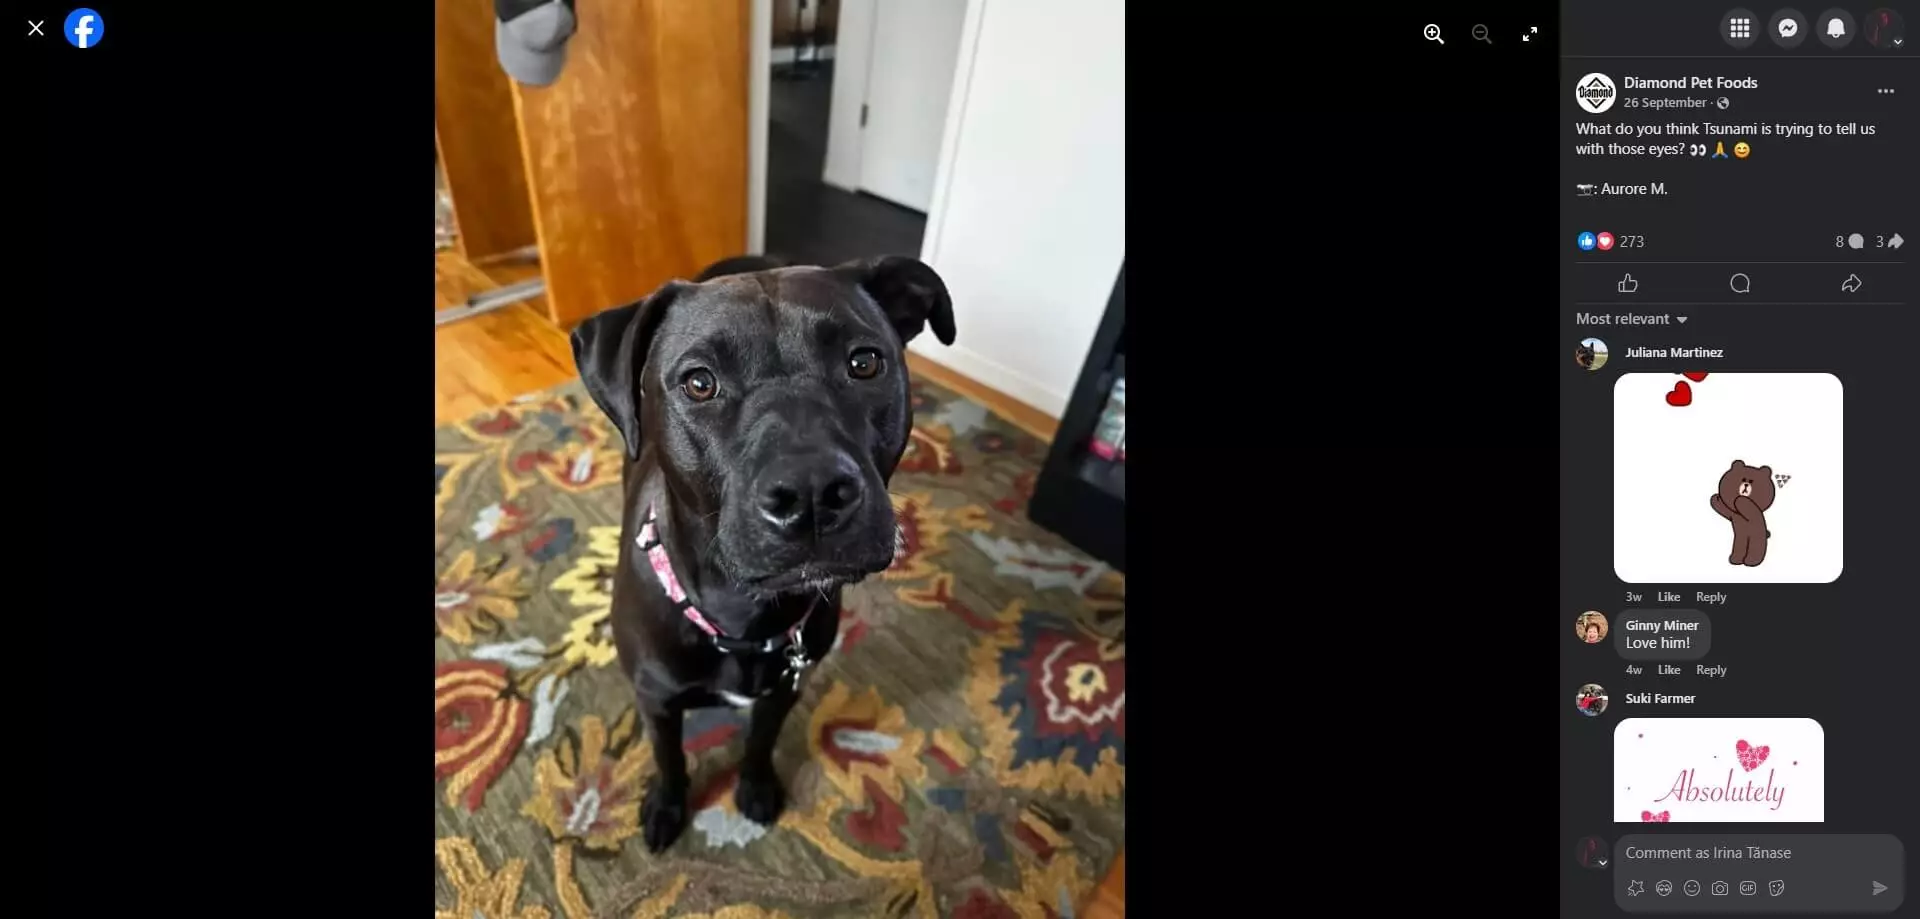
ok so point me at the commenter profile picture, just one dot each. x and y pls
(1595, 93)
(1590, 354)
(1590, 627)
(1591, 700)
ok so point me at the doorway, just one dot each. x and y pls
(856, 103)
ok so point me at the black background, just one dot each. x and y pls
(1354, 460)
(1840, 653)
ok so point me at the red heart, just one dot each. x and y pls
(1682, 394)
(1651, 817)
(1750, 756)
(1696, 377)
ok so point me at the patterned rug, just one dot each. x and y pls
(962, 753)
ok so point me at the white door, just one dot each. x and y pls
(916, 44)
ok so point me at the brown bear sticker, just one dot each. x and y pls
(1746, 492)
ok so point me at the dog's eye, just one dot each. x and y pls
(699, 385)
(865, 364)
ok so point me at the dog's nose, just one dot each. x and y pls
(821, 493)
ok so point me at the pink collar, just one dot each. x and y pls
(649, 541)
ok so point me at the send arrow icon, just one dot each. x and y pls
(1879, 888)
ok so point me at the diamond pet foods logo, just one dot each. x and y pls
(1595, 92)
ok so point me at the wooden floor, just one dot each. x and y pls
(1018, 413)
(1110, 898)
(487, 360)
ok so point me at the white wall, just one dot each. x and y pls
(1029, 218)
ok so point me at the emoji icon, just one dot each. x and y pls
(1693, 888)
(1719, 149)
(1585, 241)
(1740, 150)
(1604, 241)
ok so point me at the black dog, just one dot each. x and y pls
(764, 408)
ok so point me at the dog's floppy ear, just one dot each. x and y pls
(610, 348)
(909, 292)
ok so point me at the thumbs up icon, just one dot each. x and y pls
(1627, 284)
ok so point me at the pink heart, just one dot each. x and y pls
(1750, 756)
(1651, 817)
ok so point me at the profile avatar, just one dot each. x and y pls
(1590, 354)
(1591, 700)
(1590, 627)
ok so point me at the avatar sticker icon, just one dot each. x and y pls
(1595, 93)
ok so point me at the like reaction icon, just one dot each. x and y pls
(1627, 284)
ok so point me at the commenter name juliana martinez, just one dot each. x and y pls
(1676, 352)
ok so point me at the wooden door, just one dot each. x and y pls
(637, 155)
(478, 137)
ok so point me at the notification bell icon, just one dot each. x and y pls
(1836, 28)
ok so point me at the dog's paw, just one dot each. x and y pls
(760, 797)
(663, 815)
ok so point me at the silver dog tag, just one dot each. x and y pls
(797, 663)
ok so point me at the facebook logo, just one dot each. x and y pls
(84, 28)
